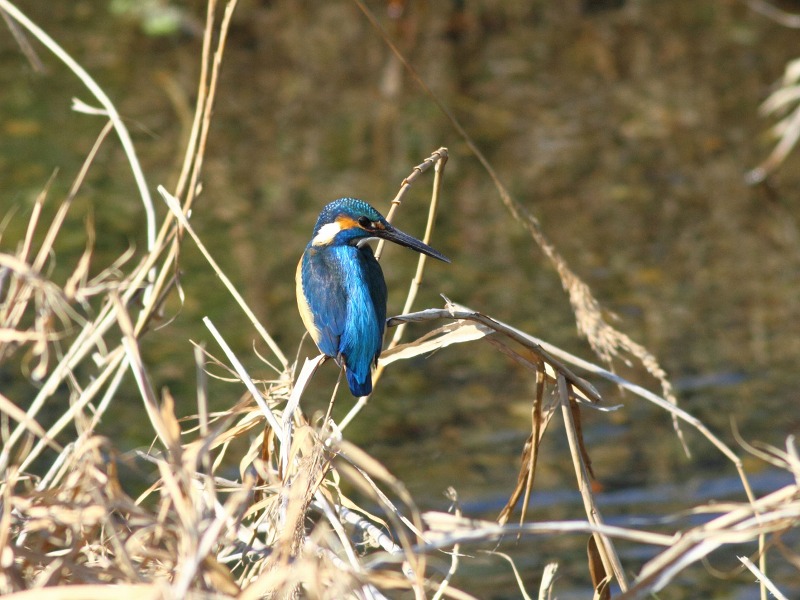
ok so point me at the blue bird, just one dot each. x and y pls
(341, 292)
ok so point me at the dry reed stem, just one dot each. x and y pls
(540, 419)
(438, 159)
(172, 204)
(785, 104)
(608, 554)
(607, 342)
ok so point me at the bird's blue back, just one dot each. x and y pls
(344, 288)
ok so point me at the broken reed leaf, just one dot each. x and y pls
(456, 333)
(600, 578)
(528, 461)
(586, 389)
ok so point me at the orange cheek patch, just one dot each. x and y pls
(347, 223)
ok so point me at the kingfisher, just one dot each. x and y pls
(341, 292)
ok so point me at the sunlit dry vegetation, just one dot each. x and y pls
(288, 525)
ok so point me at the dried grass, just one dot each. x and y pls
(284, 527)
(783, 103)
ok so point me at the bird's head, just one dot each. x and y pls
(352, 222)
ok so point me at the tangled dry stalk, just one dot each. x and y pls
(284, 527)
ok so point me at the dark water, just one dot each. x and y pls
(626, 130)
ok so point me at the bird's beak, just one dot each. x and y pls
(398, 237)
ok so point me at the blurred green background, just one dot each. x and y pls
(625, 126)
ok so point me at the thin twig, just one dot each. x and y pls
(240, 370)
(437, 158)
(173, 205)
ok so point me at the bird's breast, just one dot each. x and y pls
(303, 304)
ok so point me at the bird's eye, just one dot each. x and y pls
(365, 222)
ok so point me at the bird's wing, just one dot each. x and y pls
(325, 295)
(377, 291)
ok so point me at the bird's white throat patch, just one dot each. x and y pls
(326, 234)
(367, 241)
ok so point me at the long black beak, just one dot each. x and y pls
(398, 237)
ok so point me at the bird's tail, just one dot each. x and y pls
(359, 386)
